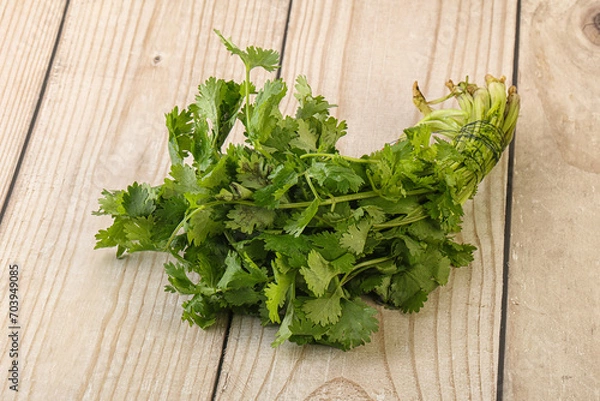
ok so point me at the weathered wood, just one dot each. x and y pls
(94, 327)
(98, 328)
(27, 34)
(552, 344)
(364, 56)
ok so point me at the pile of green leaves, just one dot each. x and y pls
(286, 228)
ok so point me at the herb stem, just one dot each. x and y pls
(180, 226)
(368, 263)
(247, 96)
(362, 266)
(415, 215)
(312, 187)
(337, 155)
(332, 200)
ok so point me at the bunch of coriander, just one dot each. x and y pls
(286, 228)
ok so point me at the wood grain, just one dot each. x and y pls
(94, 327)
(554, 306)
(364, 57)
(28, 30)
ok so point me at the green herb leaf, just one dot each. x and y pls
(325, 310)
(252, 57)
(356, 237)
(356, 324)
(298, 221)
(138, 200)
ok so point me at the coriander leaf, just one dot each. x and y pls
(234, 192)
(318, 274)
(204, 152)
(376, 213)
(252, 57)
(139, 233)
(285, 243)
(430, 267)
(110, 203)
(276, 295)
(426, 230)
(200, 310)
(387, 267)
(219, 101)
(299, 220)
(293, 249)
(138, 200)
(277, 291)
(279, 142)
(179, 126)
(184, 180)
(364, 284)
(304, 330)
(247, 218)
(446, 209)
(406, 290)
(179, 279)
(253, 170)
(355, 238)
(242, 296)
(420, 138)
(284, 332)
(208, 262)
(396, 206)
(114, 235)
(306, 139)
(459, 254)
(344, 263)
(335, 178)
(331, 132)
(282, 179)
(264, 113)
(236, 277)
(218, 175)
(327, 243)
(414, 248)
(324, 310)
(441, 270)
(309, 106)
(265, 58)
(340, 216)
(414, 302)
(200, 225)
(170, 211)
(356, 324)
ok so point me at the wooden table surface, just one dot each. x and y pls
(85, 85)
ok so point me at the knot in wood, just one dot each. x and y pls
(339, 388)
(591, 27)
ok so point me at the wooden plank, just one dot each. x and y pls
(93, 327)
(28, 30)
(552, 344)
(364, 57)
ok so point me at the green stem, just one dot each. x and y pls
(247, 96)
(414, 216)
(371, 262)
(311, 186)
(331, 201)
(336, 155)
(180, 226)
(362, 266)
